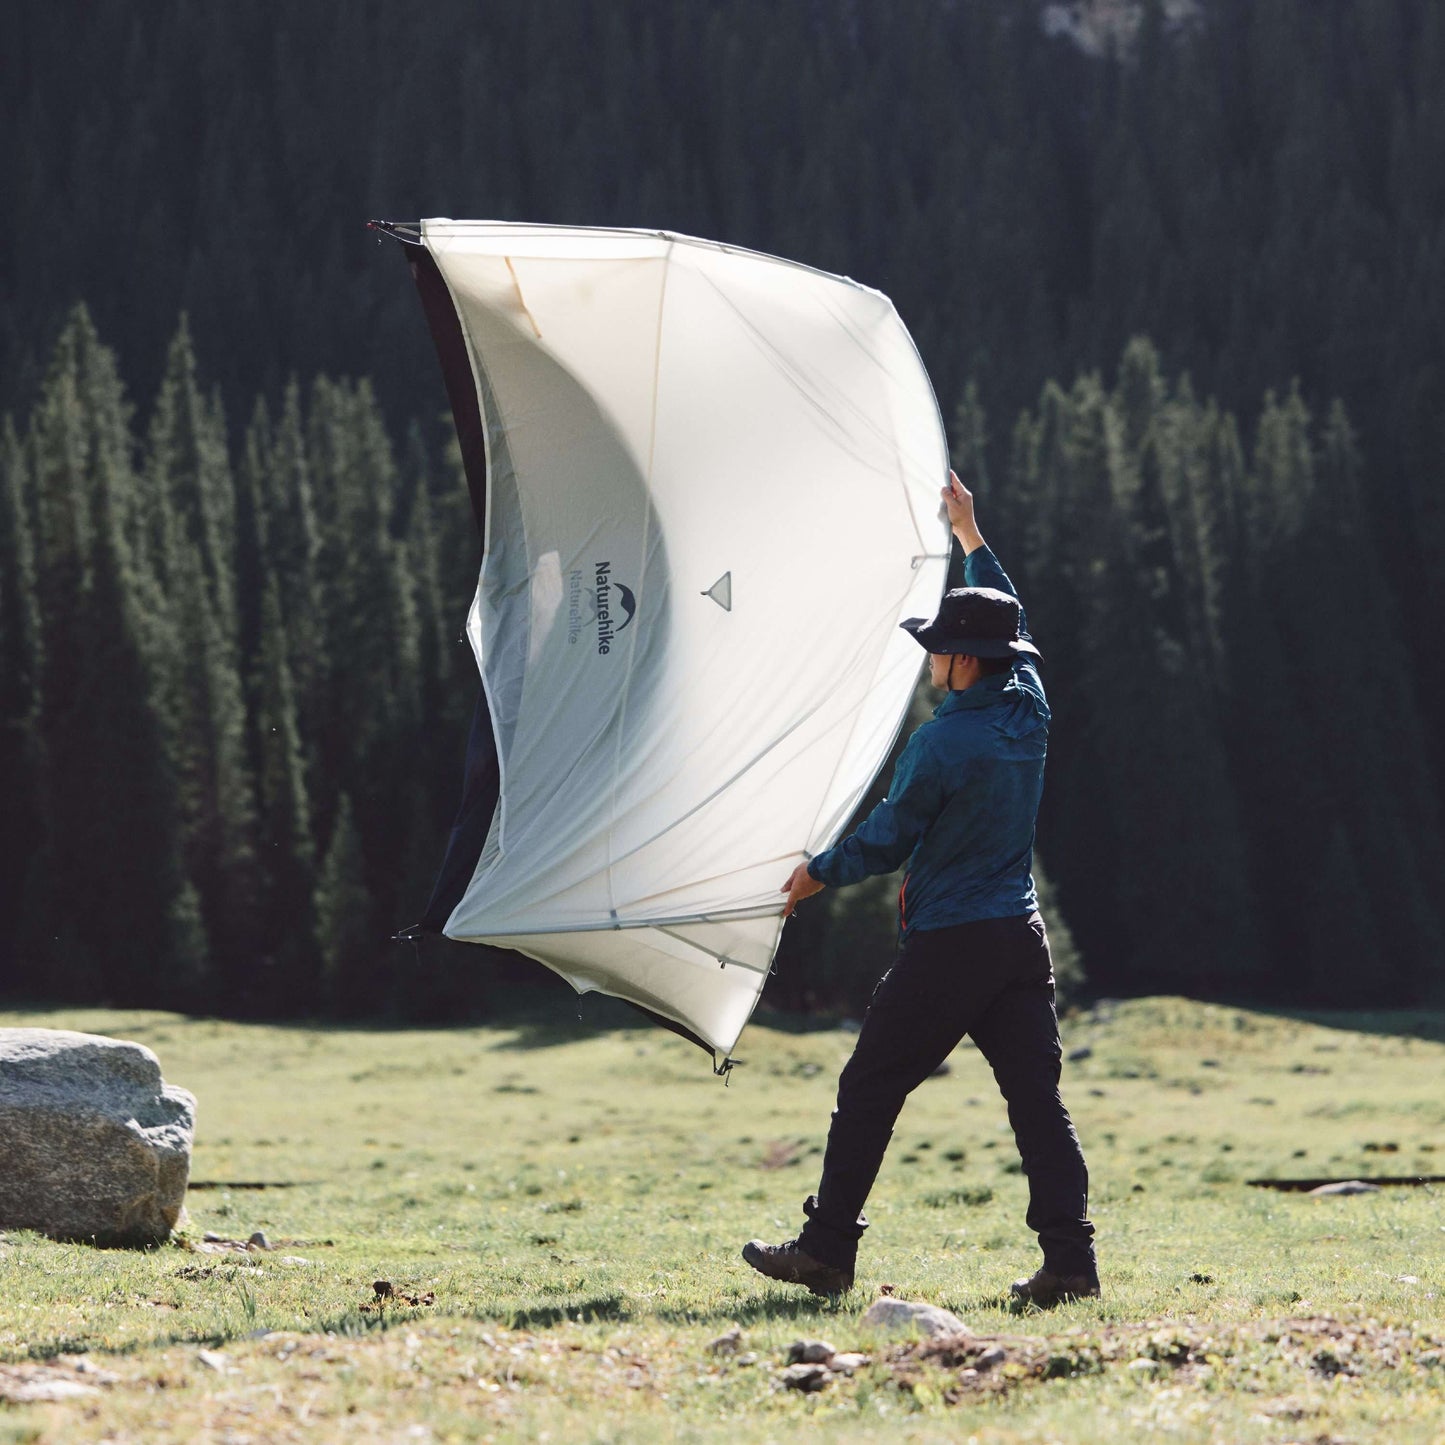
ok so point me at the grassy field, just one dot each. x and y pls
(558, 1212)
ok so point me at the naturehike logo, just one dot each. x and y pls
(609, 605)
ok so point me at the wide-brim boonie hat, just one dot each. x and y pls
(978, 621)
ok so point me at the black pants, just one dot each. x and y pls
(993, 981)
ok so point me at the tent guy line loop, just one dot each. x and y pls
(408, 232)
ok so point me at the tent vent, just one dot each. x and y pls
(721, 592)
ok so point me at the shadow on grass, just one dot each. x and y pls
(544, 1317)
(766, 1306)
(570, 1018)
(590, 1014)
(60, 1345)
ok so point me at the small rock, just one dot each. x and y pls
(810, 1352)
(990, 1358)
(1346, 1186)
(846, 1362)
(808, 1378)
(259, 1241)
(93, 1372)
(1077, 1056)
(1143, 1367)
(213, 1360)
(730, 1342)
(44, 1392)
(1407, 1279)
(292, 1259)
(894, 1314)
(747, 1358)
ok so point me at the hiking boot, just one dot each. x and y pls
(1046, 1290)
(794, 1265)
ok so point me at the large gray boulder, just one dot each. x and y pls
(94, 1144)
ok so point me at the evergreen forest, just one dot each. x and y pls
(1177, 271)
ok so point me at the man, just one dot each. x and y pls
(973, 956)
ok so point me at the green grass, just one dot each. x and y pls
(574, 1201)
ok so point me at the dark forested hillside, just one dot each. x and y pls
(1230, 543)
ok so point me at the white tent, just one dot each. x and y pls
(711, 494)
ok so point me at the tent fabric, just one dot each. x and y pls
(711, 496)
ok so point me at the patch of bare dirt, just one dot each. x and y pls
(1320, 1348)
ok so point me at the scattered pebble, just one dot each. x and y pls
(808, 1378)
(730, 1342)
(810, 1352)
(1346, 1186)
(44, 1392)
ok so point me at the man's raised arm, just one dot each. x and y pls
(980, 567)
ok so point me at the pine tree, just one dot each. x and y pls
(373, 707)
(293, 547)
(251, 558)
(130, 928)
(22, 754)
(289, 964)
(218, 819)
(188, 473)
(343, 911)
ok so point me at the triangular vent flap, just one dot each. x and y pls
(721, 592)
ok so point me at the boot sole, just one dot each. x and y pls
(1063, 1297)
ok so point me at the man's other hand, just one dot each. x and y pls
(800, 885)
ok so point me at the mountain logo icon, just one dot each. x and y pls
(629, 602)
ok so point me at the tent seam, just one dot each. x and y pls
(641, 574)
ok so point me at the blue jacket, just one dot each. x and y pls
(960, 809)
